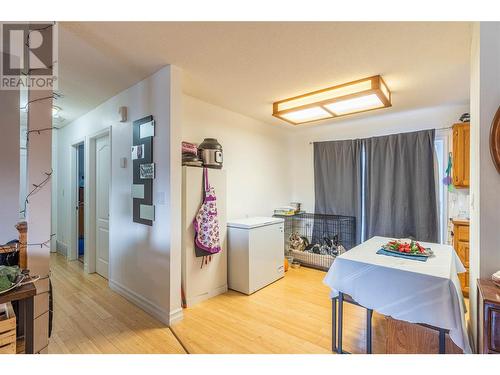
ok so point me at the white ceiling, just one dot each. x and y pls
(246, 66)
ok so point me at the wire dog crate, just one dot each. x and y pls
(314, 240)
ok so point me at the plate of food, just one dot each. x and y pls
(10, 278)
(407, 247)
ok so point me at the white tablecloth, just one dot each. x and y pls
(417, 292)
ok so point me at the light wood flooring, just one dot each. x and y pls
(91, 318)
(292, 315)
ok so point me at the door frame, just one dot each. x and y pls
(90, 199)
(72, 253)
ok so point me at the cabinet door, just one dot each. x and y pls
(457, 156)
(461, 155)
(466, 155)
(463, 252)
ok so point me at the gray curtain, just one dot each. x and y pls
(400, 186)
(337, 181)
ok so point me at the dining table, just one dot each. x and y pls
(424, 291)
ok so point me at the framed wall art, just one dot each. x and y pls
(143, 211)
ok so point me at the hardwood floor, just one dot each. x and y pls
(293, 315)
(91, 318)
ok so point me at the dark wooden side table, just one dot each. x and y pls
(488, 317)
(24, 295)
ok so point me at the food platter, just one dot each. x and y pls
(428, 253)
(18, 282)
(408, 247)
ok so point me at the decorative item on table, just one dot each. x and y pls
(296, 264)
(210, 152)
(12, 277)
(296, 206)
(285, 211)
(407, 247)
(496, 278)
(465, 117)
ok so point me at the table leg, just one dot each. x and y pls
(20, 318)
(29, 325)
(341, 308)
(442, 341)
(334, 324)
(369, 314)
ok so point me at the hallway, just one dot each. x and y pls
(91, 318)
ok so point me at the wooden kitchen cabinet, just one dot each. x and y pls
(488, 317)
(461, 155)
(461, 245)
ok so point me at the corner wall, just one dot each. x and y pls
(141, 257)
(255, 155)
(485, 180)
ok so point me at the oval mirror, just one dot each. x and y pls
(495, 140)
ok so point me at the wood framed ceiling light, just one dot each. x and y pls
(353, 97)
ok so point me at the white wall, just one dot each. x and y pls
(301, 151)
(9, 164)
(38, 214)
(474, 178)
(141, 256)
(485, 180)
(255, 156)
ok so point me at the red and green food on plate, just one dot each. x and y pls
(409, 247)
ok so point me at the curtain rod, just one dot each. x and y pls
(449, 127)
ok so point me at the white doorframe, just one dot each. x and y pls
(444, 135)
(73, 242)
(90, 202)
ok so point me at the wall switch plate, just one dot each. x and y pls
(123, 162)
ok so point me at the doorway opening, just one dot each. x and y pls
(80, 208)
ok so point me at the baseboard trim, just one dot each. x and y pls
(61, 248)
(148, 306)
(176, 316)
(191, 301)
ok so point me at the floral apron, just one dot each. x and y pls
(206, 224)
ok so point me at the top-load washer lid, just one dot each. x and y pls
(254, 222)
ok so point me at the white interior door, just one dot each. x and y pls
(103, 171)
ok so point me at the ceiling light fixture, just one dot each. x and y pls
(358, 96)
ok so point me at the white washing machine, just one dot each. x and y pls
(255, 253)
